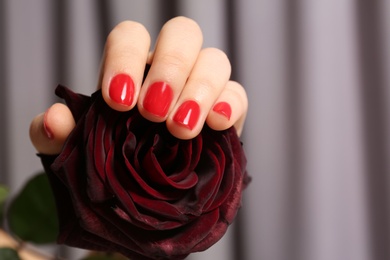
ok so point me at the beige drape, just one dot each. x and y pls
(317, 74)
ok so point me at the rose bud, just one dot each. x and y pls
(125, 184)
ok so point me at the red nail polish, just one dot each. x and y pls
(188, 114)
(121, 89)
(48, 131)
(158, 99)
(224, 109)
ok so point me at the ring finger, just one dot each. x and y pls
(206, 82)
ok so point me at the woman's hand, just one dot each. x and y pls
(185, 87)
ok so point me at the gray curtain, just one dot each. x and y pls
(317, 74)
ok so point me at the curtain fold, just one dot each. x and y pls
(3, 99)
(372, 50)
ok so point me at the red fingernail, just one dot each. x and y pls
(224, 109)
(48, 131)
(158, 99)
(121, 89)
(187, 115)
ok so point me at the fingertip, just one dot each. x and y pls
(43, 142)
(60, 121)
(48, 131)
(154, 103)
(187, 120)
(219, 117)
(229, 109)
(181, 132)
(120, 92)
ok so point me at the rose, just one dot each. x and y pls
(125, 184)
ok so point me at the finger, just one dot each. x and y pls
(176, 51)
(208, 78)
(125, 56)
(49, 130)
(229, 109)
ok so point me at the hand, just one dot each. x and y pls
(185, 87)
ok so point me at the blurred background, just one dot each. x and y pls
(317, 137)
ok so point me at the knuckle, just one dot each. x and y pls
(184, 28)
(129, 26)
(126, 28)
(185, 23)
(174, 58)
(239, 92)
(218, 56)
(176, 61)
(207, 87)
(236, 87)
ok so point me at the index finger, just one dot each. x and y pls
(125, 56)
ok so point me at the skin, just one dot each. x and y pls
(178, 59)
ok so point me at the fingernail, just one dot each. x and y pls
(121, 89)
(46, 128)
(158, 99)
(224, 109)
(187, 114)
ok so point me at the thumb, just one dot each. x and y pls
(49, 130)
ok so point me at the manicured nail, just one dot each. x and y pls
(158, 99)
(46, 128)
(224, 109)
(187, 114)
(121, 89)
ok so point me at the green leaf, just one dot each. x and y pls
(3, 196)
(32, 214)
(8, 254)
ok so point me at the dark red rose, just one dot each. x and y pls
(125, 184)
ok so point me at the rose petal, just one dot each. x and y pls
(148, 189)
(185, 239)
(154, 172)
(117, 181)
(77, 103)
